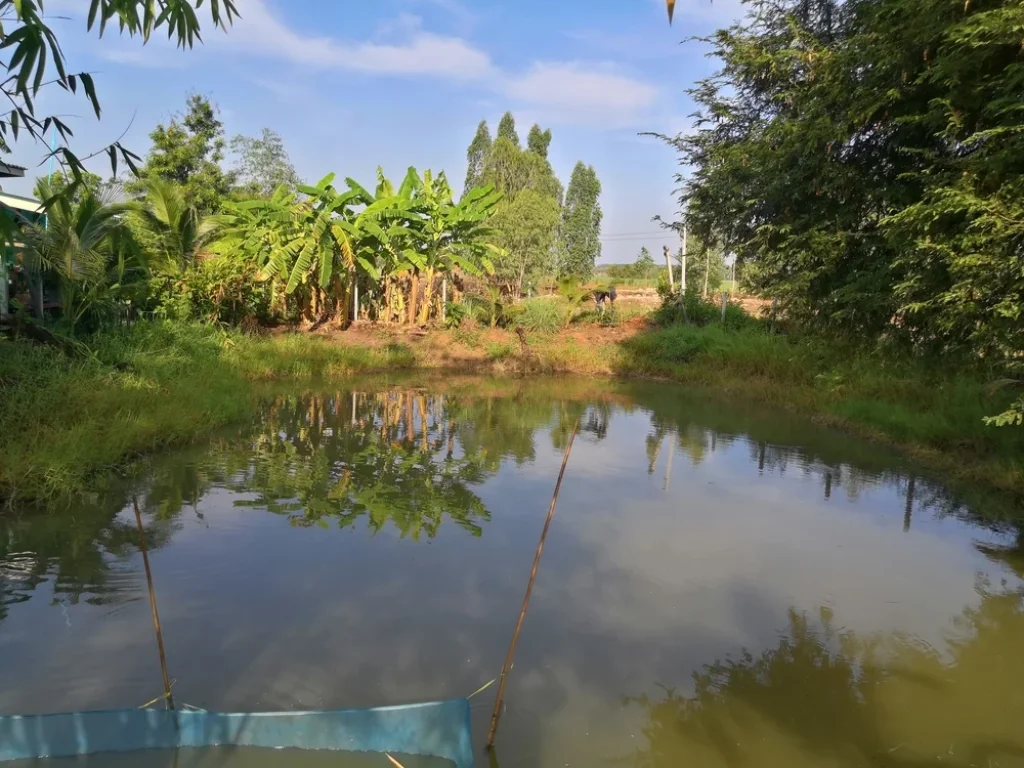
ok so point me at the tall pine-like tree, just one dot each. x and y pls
(507, 128)
(581, 224)
(476, 156)
(538, 141)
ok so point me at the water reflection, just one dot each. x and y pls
(686, 528)
(412, 459)
(826, 696)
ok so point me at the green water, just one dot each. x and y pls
(721, 586)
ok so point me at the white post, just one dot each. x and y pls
(683, 279)
(356, 298)
(444, 297)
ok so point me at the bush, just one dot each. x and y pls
(542, 315)
(222, 289)
(693, 309)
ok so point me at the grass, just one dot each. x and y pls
(65, 422)
(933, 415)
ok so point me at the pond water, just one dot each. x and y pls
(721, 584)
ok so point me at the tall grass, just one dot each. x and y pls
(63, 420)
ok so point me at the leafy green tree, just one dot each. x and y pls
(476, 157)
(528, 224)
(581, 224)
(86, 183)
(644, 266)
(263, 165)
(864, 160)
(188, 151)
(507, 129)
(538, 141)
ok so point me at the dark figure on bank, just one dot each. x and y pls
(601, 295)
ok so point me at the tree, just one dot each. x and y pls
(86, 247)
(174, 232)
(33, 50)
(476, 157)
(538, 141)
(188, 152)
(507, 129)
(263, 164)
(864, 160)
(528, 226)
(644, 266)
(87, 183)
(581, 224)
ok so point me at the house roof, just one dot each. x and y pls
(20, 203)
(11, 171)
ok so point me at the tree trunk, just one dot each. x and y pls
(428, 296)
(414, 289)
(707, 273)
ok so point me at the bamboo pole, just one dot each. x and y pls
(152, 605)
(496, 715)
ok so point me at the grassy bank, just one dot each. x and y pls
(933, 415)
(64, 421)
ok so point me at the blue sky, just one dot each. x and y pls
(353, 84)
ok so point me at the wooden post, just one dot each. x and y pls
(152, 604)
(725, 304)
(668, 263)
(496, 715)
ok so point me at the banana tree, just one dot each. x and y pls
(311, 246)
(384, 228)
(450, 236)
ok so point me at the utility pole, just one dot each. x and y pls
(682, 279)
(668, 263)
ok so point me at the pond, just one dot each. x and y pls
(722, 584)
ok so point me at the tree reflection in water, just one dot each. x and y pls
(825, 696)
(399, 457)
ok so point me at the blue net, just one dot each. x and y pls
(436, 729)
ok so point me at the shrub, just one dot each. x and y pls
(542, 315)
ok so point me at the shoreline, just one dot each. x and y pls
(158, 385)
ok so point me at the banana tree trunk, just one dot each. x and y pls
(428, 296)
(414, 289)
(342, 290)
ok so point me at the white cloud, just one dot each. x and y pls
(258, 32)
(588, 92)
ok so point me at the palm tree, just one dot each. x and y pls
(86, 246)
(172, 230)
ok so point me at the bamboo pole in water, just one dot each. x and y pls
(496, 715)
(152, 605)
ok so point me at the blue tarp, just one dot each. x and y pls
(437, 729)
